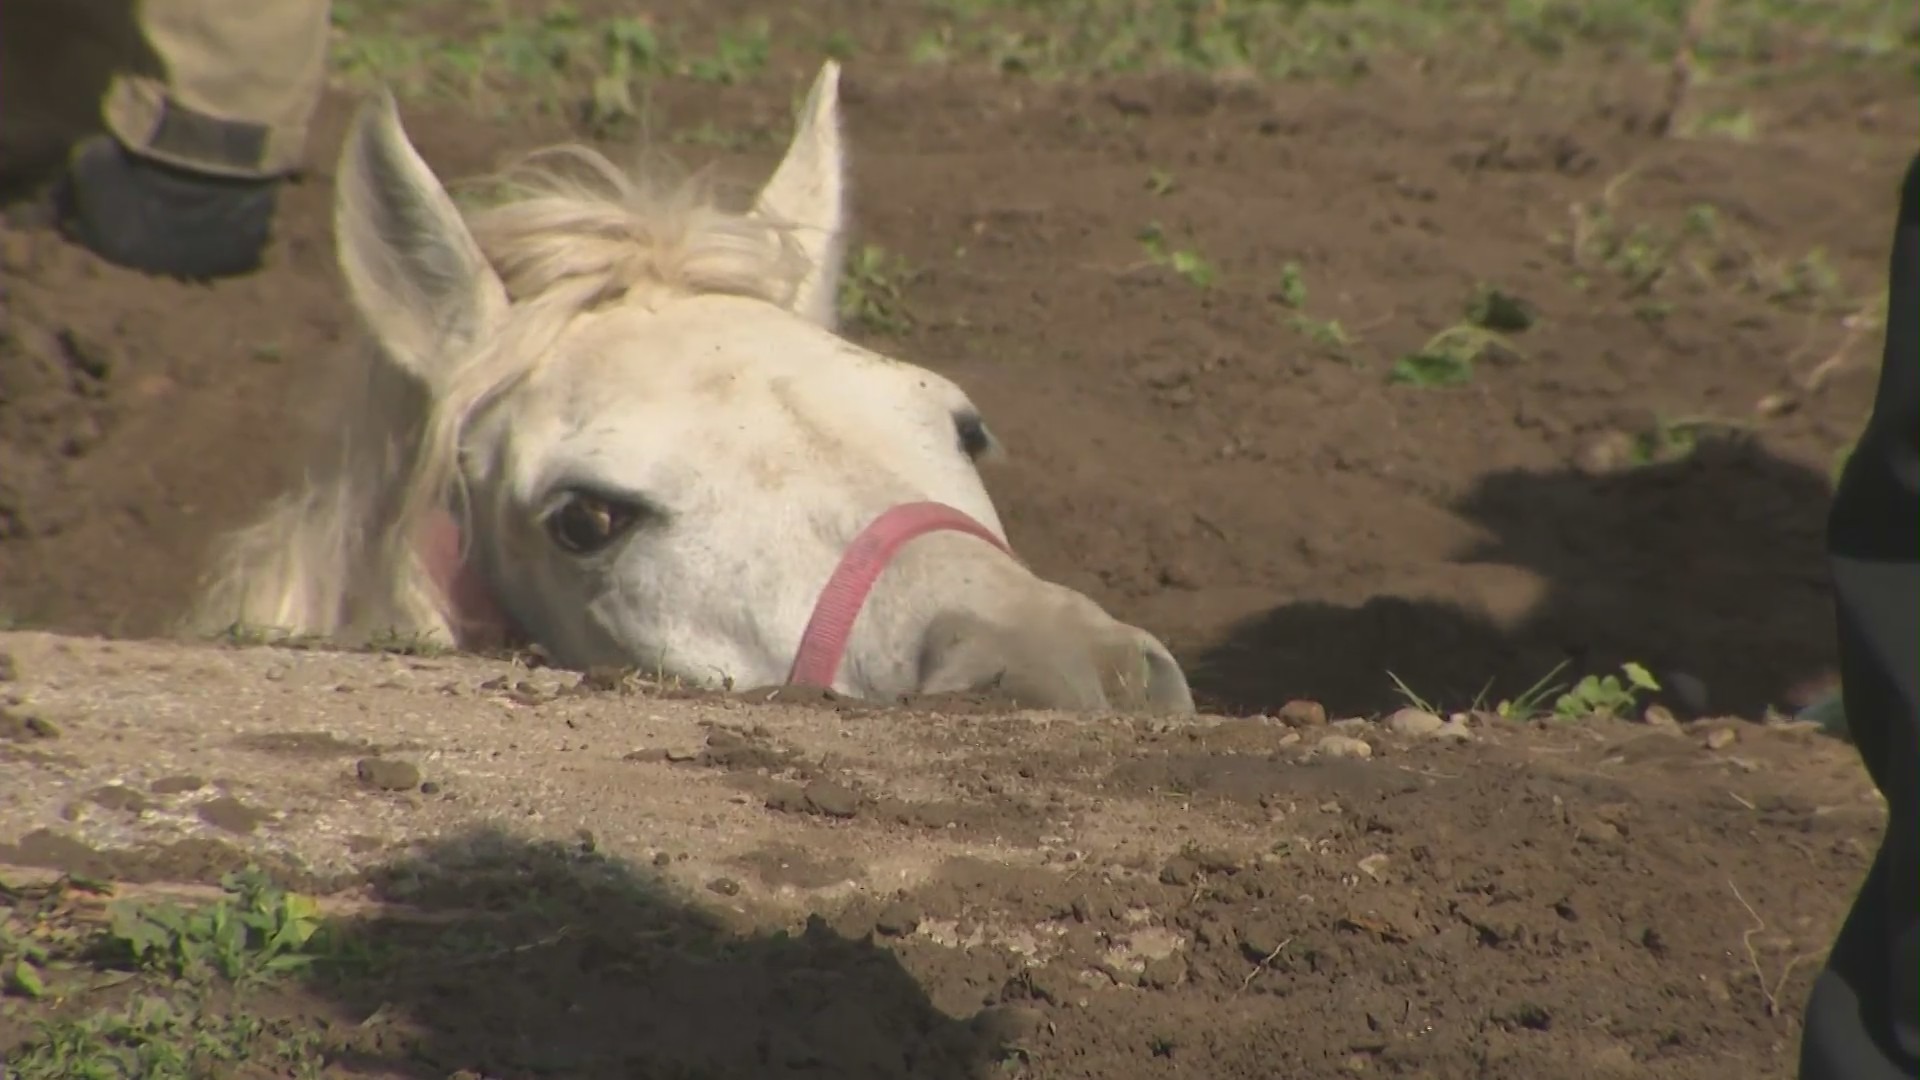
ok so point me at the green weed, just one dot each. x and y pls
(1447, 359)
(1495, 310)
(1606, 695)
(738, 56)
(1291, 293)
(1184, 261)
(255, 931)
(1292, 290)
(1412, 698)
(166, 1029)
(871, 291)
(1530, 702)
(1610, 695)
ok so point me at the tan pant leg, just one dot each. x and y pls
(242, 78)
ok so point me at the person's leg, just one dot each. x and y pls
(186, 182)
(1863, 1018)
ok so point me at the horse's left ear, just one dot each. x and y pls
(807, 192)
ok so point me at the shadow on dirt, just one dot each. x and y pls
(1711, 566)
(56, 59)
(510, 960)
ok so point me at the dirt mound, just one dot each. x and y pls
(531, 873)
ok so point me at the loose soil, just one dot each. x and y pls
(1537, 902)
(541, 876)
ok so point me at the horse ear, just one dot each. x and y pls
(807, 192)
(415, 273)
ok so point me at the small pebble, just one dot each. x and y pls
(1721, 737)
(1302, 713)
(1414, 723)
(1455, 730)
(1661, 717)
(1344, 746)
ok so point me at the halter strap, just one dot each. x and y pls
(824, 644)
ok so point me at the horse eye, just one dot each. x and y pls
(585, 524)
(972, 433)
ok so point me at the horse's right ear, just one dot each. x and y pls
(412, 268)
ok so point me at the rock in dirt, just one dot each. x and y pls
(1164, 972)
(897, 919)
(387, 774)
(1720, 738)
(118, 797)
(1454, 730)
(1055, 985)
(822, 797)
(1345, 746)
(177, 784)
(1262, 936)
(1179, 870)
(230, 814)
(1660, 716)
(1214, 860)
(1414, 723)
(1302, 713)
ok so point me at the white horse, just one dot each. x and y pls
(616, 420)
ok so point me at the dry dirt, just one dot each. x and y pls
(1544, 900)
(619, 884)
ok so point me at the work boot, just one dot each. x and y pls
(162, 219)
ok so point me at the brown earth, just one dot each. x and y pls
(1555, 902)
(540, 874)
